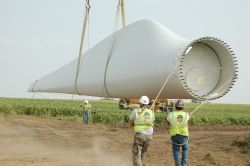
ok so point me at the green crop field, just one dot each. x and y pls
(107, 111)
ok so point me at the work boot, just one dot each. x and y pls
(178, 164)
(184, 164)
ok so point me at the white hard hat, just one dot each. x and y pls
(144, 100)
(85, 101)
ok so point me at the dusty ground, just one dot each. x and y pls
(32, 141)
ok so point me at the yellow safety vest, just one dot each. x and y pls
(178, 123)
(86, 107)
(143, 120)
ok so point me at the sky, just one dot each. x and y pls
(39, 36)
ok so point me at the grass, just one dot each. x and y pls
(107, 111)
(243, 145)
(209, 156)
(223, 114)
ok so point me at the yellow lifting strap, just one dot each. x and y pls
(86, 18)
(85, 22)
(120, 5)
(123, 14)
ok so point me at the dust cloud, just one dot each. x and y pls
(96, 156)
(32, 141)
(35, 145)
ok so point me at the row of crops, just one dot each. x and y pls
(107, 111)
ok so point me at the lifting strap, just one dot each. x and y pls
(123, 14)
(32, 90)
(112, 45)
(85, 22)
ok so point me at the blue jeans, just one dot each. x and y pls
(180, 139)
(85, 117)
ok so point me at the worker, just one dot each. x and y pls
(86, 111)
(121, 104)
(163, 107)
(178, 121)
(171, 106)
(142, 121)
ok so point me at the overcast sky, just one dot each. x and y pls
(39, 36)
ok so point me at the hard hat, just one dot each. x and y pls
(144, 100)
(179, 104)
(85, 101)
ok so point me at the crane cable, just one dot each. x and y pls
(85, 22)
(111, 47)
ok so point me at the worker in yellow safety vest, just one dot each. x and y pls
(178, 121)
(142, 121)
(86, 111)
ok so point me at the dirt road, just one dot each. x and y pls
(32, 141)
